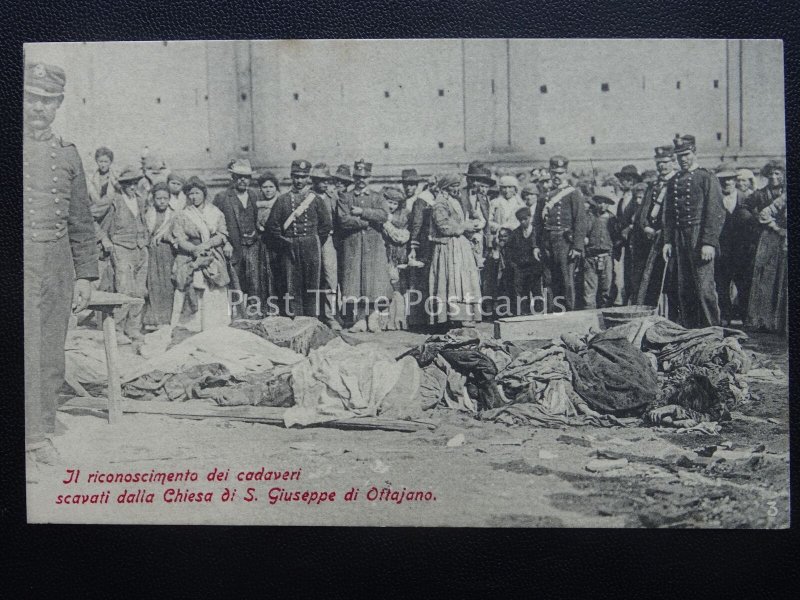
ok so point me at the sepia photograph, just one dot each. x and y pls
(406, 282)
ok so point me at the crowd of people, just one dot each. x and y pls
(709, 247)
(430, 251)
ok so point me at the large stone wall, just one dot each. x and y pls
(433, 104)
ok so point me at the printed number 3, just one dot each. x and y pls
(772, 510)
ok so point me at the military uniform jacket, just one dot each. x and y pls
(315, 220)
(568, 215)
(694, 199)
(56, 200)
(650, 213)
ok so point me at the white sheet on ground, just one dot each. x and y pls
(339, 381)
(240, 351)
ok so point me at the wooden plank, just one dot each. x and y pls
(100, 300)
(531, 327)
(269, 415)
(112, 364)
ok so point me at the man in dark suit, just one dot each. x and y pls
(238, 204)
(736, 248)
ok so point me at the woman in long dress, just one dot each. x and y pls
(270, 262)
(200, 271)
(160, 289)
(767, 308)
(454, 281)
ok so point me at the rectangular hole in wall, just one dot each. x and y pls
(441, 144)
(716, 84)
(542, 141)
(294, 146)
(296, 96)
(441, 92)
(492, 86)
(604, 87)
(158, 100)
(385, 145)
(386, 94)
(592, 140)
(719, 136)
(244, 96)
(677, 85)
(543, 89)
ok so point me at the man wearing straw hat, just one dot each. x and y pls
(693, 219)
(238, 204)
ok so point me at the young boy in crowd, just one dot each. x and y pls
(598, 245)
(396, 236)
(177, 199)
(525, 271)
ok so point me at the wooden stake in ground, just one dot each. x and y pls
(105, 303)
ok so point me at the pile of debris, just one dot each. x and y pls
(649, 370)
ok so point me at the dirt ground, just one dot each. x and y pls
(498, 477)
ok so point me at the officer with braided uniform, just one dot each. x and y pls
(561, 226)
(693, 219)
(60, 253)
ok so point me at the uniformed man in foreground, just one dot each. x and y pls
(693, 219)
(299, 224)
(60, 253)
(561, 227)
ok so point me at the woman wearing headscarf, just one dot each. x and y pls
(454, 282)
(767, 308)
(272, 275)
(200, 272)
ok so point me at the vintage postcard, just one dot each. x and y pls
(435, 282)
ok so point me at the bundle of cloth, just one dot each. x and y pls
(214, 382)
(650, 369)
(301, 334)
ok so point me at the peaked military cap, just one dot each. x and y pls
(362, 168)
(664, 153)
(44, 80)
(300, 167)
(684, 143)
(559, 162)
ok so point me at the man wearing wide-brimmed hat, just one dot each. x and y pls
(59, 251)
(323, 185)
(693, 219)
(365, 267)
(475, 200)
(298, 225)
(628, 177)
(645, 241)
(238, 204)
(343, 179)
(124, 235)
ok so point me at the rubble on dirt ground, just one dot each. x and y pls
(648, 371)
